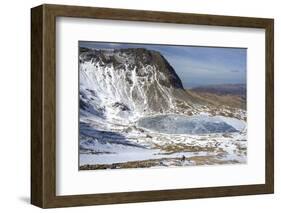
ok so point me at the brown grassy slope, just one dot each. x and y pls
(234, 101)
(163, 162)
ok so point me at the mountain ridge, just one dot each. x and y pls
(132, 79)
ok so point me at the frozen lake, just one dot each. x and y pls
(199, 124)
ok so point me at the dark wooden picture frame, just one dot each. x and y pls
(43, 105)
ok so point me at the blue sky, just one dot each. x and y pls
(195, 65)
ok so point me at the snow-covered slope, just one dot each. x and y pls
(128, 83)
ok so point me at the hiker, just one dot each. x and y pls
(183, 158)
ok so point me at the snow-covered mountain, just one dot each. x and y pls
(128, 83)
(134, 112)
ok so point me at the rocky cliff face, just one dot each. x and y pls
(128, 83)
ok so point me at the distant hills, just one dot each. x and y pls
(233, 95)
(223, 89)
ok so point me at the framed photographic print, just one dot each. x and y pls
(136, 106)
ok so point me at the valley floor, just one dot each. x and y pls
(132, 146)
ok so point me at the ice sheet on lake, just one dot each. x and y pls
(199, 124)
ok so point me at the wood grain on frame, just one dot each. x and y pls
(43, 105)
